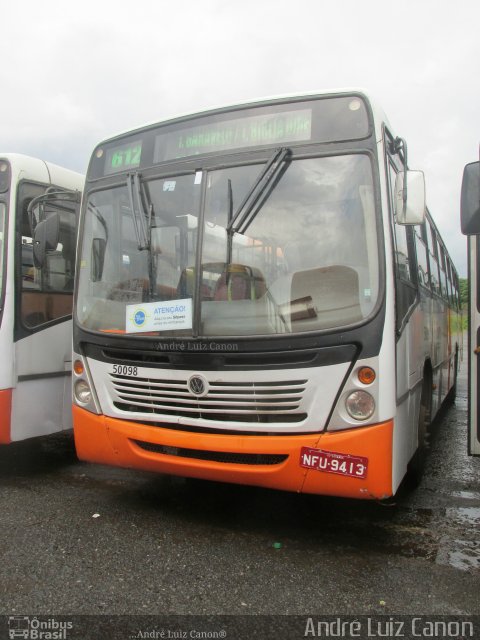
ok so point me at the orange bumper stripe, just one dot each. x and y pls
(112, 441)
(5, 416)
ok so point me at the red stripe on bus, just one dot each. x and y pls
(5, 415)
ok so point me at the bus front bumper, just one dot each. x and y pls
(265, 461)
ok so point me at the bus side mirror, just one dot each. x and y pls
(98, 259)
(470, 200)
(410, 197)
(45, 238)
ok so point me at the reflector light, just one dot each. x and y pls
(366, 375)
(78, 367)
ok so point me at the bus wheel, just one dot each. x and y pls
(416, 466)
(452, 394)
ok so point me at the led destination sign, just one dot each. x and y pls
(124, 157)
(272, 128)
(318, 120)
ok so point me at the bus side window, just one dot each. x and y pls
(443, 274)
(434, 268)
(46, 293)
(453, 285)
(422, 257)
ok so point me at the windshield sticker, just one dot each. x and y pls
(159, 316)
(169, 185)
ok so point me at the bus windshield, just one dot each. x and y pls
(179, 257)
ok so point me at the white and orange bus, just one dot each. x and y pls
(262, 298)
(36, 294)
(470, 222)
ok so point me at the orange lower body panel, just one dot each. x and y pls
(5, 416)
(115, 442)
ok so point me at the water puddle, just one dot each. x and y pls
(447, 537)
(461, 549)
(469, 516)
(459, 554)
(466, 495)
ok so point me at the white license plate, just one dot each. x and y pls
(342, 464)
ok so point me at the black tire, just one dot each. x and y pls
(452, 394)
(416, 466)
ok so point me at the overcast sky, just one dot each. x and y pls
(75, 73)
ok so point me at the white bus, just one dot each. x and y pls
(470, 221)
(262, 298)
(36, 290)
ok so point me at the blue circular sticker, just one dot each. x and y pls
(139, 318)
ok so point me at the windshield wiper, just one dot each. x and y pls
(229, 220)
(143, 221)
(141, 218)
(259, 192)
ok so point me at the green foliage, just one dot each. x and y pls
(463, 291)
(460, 323)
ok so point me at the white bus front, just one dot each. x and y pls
(235, 310)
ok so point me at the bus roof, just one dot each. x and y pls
(28, 167)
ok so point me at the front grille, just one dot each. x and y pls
(208, 361)
(214, 456)
(226, 401)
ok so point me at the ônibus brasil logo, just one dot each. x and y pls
(35, 629)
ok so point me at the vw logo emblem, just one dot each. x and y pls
(198, 386)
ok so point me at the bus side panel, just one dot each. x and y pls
(43, 389)
(439, 353)
(5, 415)
(410, 358)
(37, 408)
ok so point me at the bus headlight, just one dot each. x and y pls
(83, 394)
(360, 405)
